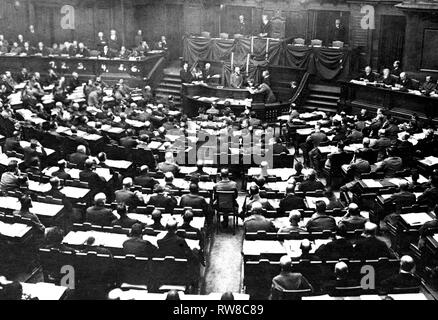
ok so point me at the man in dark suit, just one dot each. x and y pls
(124, 221)
(311, 184)
(185, 74)
(290, 202)
(396, 69)
(225, 184)
(430, 195)
(160, 200)
(369, 246)
(341, 280)
(404, 198)
(242, 27)
(390, 165)
(74, 82)
(339, 33)
(278, 147)
(13, 143)
(257, 222)
(60, 173)
(136, 245)
(128, 197)
(106, 52)
(187, 219)
(96, 183)
(405, 278)
(352, 219)
(144, 179)
(55, 192)
(404, 82)
(320, 221)
(294, 220)
(387, 78)
(368, 75)
(265, 27)
(79, 157)
(336, 249)
(156, 218)
(195, 201)
(98, 214)
(287, 280)
(31, 152)
(173, 245)
(23, 76)
(428, 86)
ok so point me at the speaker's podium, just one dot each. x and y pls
(278, 24)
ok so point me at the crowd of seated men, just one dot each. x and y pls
(106, 47)
(395, 77)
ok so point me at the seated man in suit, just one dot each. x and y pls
(169, 164)
(124, 221)
(207, 73)
(11, 179)
(60, 173)
(187, 219)
(255, 198)
(290, 202)
(390, 165)
(430, 195)
(156, 217)
(225, 184)
(320, 221)
(428, 86)
(135, 245)
(266, 91)
(96, 183)
(404, 198)
(160, 200)
(336, 249)
(278, 147)
(386, 78)
(257, 222)
(79, 156)
(294, 220)
(396, 68)
(128, 197)
(404, 279)
(174, 246)
(98, 214)
(404, 82)
(55, 192)
(368, 75)
(288, 280)
(31, 152)
(13, 143)
(352, 219)
(369, 246)
(24, 212)
(342, 280)
(310, 183)
(195, 201)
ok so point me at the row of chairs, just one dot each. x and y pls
(258, 275)
(96, 269)
(299, 235)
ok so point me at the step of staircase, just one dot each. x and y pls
(321, 102)
(170, 85)
(323, 88)
(315, 96)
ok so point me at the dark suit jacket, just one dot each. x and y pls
(139, 248)
(186, 76)
(353, 223)
(335, 250)
(11, 144)
(162, 201)
(258, 223)
(308, 185)
(78, 158)
(321, 223)
(371, 248)
(195, 201)
(95, 182)
(145, 181)
(172, 245)
(429, 197)
(291, 202)
(288, 281)
(278, 148)
(99, 216)
(401, 280)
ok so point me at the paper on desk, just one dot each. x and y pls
(370, 183)
(416, 219)
(14, 230)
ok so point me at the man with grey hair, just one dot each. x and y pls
(126, 196)
(79, 157)
(294, 219)
(369, 246)
(352, 220)
(341, 279)
(99, 214)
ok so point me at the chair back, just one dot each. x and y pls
(225, 200)
(337, 44)
(316, 43)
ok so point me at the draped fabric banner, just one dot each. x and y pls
(327, 63)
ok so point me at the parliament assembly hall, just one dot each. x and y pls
(219, 150)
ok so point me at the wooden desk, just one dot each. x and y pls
(4, 160)
(44, 291)
(113, 241)
(43, 210)
(415, 220)
(144, 295)
(15, 231)
(198, 222)
(184, 184)
(402, 104)
(119, 164)
(49, 151)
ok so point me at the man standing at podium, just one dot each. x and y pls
(242, 27)
(339, 33)
(236, 79)
(266, 27)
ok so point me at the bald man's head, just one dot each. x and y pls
(306, 246)
(370, 229)
(294, 217)
(407, 264)
(353, 209)
(341, 270)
